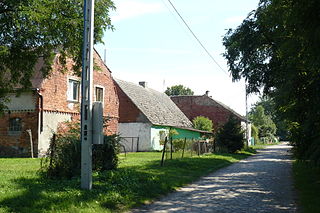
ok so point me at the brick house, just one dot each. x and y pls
(203, 105)
(53, 100)
(146, 115)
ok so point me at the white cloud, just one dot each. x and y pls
(127, 9)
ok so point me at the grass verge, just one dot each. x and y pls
(139, 179)
(307, 183)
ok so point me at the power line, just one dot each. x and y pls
(198, 40)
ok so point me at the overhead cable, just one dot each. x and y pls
(195, 36)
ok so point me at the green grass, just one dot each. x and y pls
(307, 184)
(139, 179)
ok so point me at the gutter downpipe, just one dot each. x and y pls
(40, 120)
(40, 110)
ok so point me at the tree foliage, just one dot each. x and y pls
(270, 111)
(231, 137)
(178, 90)
(264, 123)
(34, 29)
(203, 123)
(277, 50)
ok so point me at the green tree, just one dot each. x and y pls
(230, 137)
(270, 110)
(203, 123)
(36, 29)
(263, 122)
(178, 90)
(276, 49)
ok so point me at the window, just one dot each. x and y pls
(99, 94)
(15, 125)
(73, 90)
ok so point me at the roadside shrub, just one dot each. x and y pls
(230, 137)
(178, 144)
(64, 154)
(105, 156)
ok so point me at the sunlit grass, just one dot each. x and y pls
(139, 179)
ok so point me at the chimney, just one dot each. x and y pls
(143, 84)
(207, 93)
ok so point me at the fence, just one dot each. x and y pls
(129, 144)
(180, 148)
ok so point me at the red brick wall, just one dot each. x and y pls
(54, 91)
(193, 106)
(127, 110)
(19, 145)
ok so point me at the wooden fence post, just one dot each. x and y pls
(52, 149)
(192, 143)
(164, 150)
(31, 142)
(171, 147)
(184, 146)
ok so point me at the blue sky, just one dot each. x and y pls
(150, 43)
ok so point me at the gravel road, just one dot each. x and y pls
(261, 183)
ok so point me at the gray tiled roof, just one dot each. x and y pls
(156, 106)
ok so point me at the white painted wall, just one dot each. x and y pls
(243, 126)
(141, 130)
(155, 138)
(50, 125)
(26, 101)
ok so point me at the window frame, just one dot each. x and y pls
(15, 126)
(71, 90)
(95, 93)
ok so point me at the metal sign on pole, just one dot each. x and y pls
(86, 96)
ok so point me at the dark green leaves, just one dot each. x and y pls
(33, 29)
(277, 49)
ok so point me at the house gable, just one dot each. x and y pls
(157, 107)
(128, 111)
(193, 106)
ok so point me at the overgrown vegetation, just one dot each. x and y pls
(230, 137)
(307, 183)
(264, 124)
(139, 179)
(64, 154)
(276, 49)
(203, 123)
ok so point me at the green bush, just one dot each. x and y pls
(64, 155)
(230, 137)
(105, 156)
(203, 123)
(178, 144)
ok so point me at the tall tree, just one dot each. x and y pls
(270, 110)
(178, 90)
(33, 29)
(231, 136)
(277, 49)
